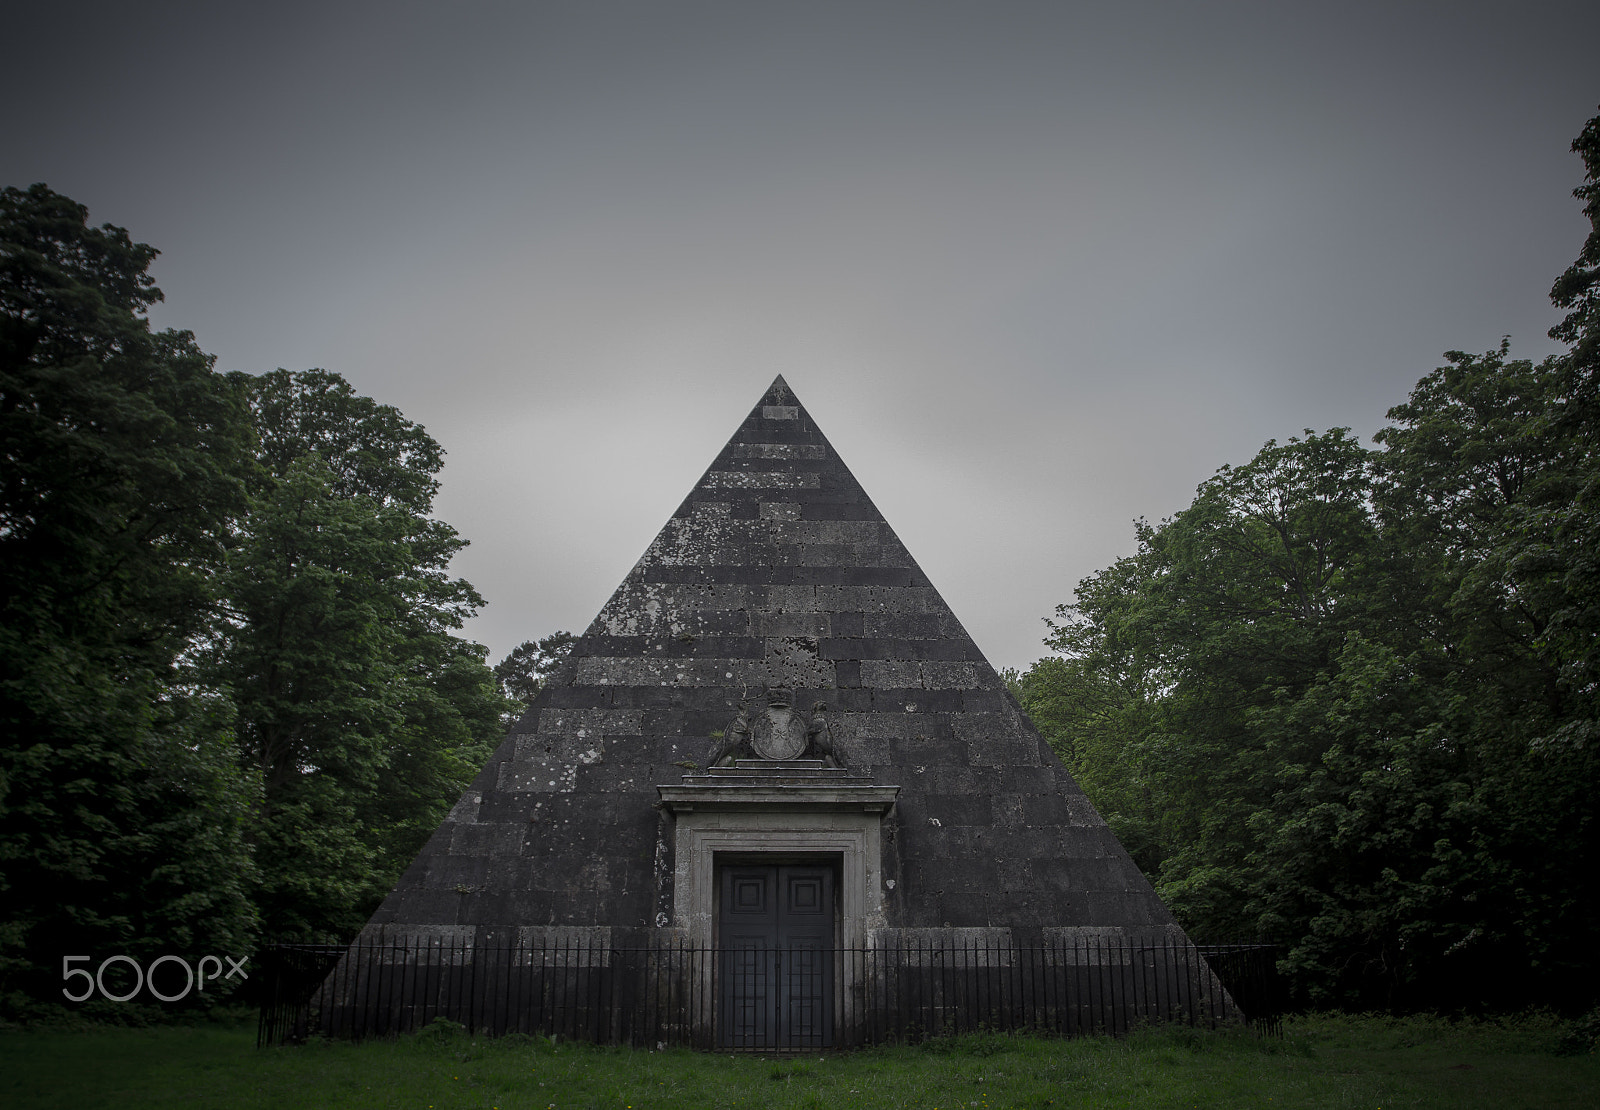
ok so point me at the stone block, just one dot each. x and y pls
(621, 778)
(582, 725)
(864, 751)
(853, 699)
(523, 873)
(570, 697)
(778, 451)
(811, 555)
(910, 752)
(891, 674)
(941, 675)
(1007, 842)
(908, 576)
(628, 749)
(650, 697)
(778, 624)
(1023, 782)
(847, 625)
(984, 701)
(1054, 874)
(849, 535)
(1081, 811)
(580, 749)
(761, 479)
(669, 672)
(1071, 842)
(448, 872)
(422, 906)
(884, 599)
(916, 701)
(1003, 750)
(534, 904)
(1033, 911)
(888, 725)
(1043, 842)
(911, 810)
(487, 840)
(787, 599)
(907, 626)
(943, 778)
(1013, 875)
(1118, 908)
(503, 809)
(948, 652)
(1007, 811)
(963, 909)
(960, 809)
(663, 720)
(838, 508)
(1044, 810)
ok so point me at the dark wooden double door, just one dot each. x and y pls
(777, 967)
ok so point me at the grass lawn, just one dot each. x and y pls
(1375, 1063)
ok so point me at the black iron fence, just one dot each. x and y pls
(752, 998)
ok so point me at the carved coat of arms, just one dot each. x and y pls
(778, 730)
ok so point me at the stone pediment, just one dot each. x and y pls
(777, 784)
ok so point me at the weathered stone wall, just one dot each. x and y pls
(777, 570)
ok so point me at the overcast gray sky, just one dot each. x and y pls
(1037, 269)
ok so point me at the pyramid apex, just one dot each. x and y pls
(778, 392)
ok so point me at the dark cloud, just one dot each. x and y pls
(1037, 269)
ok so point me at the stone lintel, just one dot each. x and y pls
(774, 796)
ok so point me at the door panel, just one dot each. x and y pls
(775, 928)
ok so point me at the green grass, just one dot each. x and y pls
(1373, 1063)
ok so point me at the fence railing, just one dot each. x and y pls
(760, 998)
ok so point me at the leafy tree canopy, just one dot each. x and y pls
(359, 707)
(530, 665)
(124, 463)
(1347, 699)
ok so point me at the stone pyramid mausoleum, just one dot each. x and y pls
(775, 728)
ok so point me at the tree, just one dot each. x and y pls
(1097, 701)
(232, 694)
(1304, 708)
(1484, 481)
(529, 666)
(1578, 287)
(364, 715)
(1351, 699)
(124, 460)
(1560, 537)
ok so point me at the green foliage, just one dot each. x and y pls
(530, 665)
(441, 1032)
(364, 715)
(1350, 699)
(121, 808)
(230, 687)
(1321, 702)
(1578, 288)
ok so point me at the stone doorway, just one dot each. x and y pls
(778, 963)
